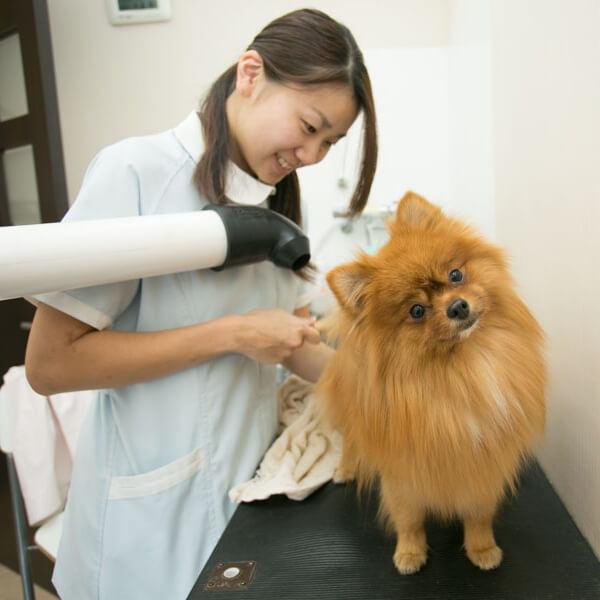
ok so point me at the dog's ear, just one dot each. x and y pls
(348, 283)
(414, 211)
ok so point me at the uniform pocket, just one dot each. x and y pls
(158, 480)
(157, 524)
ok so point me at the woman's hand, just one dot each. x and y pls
(272, 335)
(65, 354)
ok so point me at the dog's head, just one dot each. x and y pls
(430, 286)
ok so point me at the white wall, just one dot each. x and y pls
(410, 86)
(117, 81)
(471, 168)
(546, 99)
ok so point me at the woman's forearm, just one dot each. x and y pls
(64, 354)
(309, 361)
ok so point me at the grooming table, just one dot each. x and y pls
(330, 547)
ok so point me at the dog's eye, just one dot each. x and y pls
(456, 276)
(417, 311)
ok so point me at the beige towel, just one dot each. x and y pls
(302, 458)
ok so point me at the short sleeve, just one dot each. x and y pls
(110, 189)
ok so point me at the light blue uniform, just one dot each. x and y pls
(148, 499)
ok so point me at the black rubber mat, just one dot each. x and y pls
(330, 547)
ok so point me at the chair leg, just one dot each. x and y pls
(20, 529)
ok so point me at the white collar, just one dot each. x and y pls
(240, 187)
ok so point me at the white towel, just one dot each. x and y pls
(43, 433)
(302, 458)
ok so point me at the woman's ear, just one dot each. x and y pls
(249, 72)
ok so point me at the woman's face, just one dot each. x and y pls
(278, 128)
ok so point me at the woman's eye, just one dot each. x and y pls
(456, 276)
(417, 311)
(309, 127)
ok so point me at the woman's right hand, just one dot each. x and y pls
(271, 335)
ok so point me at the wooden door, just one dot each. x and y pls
(32, 175)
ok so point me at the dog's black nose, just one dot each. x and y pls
(459, 309)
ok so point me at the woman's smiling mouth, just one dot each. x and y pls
(284, 164)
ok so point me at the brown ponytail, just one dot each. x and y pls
(210, 172)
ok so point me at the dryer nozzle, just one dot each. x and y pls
(255, 234)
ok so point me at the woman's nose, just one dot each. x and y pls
(311, 152)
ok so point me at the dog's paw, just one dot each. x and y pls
(408, 563)
(486, 559)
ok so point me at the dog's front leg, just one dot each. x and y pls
(480, 544)
(408, 522)
(346, 470)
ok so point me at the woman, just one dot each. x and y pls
(186, 362)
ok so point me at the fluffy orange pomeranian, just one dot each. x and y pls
(438, 383)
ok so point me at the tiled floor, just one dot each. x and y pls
(40, 565)
(10, 587)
